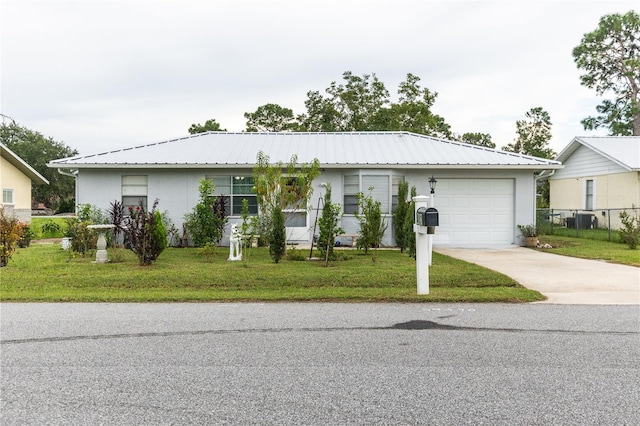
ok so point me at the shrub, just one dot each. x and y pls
(328, 224)
(145, 234)
(206, 221)
(295, 255)
(400, 215)
(26, 235)
(372, 225)
(277, 238)
(116, 218)
(10, 234)
(51, 229)
(409, 234)
(82, 239)
(630, 231)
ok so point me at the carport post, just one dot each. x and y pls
(422, 247)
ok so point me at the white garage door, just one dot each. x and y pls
(475, 212)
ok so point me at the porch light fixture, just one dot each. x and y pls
(432, 184)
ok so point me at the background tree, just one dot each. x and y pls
(480, 139)
(271, 118)
(37, 150)
(349, 106)
(534, 134)
(610, 59)
(209, 126)
(412, 112)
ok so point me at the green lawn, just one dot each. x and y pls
(45, 272)
(592, 249)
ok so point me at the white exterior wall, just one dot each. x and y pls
(14, 179)
(586, 162)
(177, 190)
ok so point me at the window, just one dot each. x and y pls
(589, 192)
(385, 190)
(234, 189)
(295, 215)
(134, 192)
(7, 196)
(351, 188)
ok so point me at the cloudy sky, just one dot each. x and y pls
(107, 74)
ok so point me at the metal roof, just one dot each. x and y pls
(348, 149)
(623, 150)
(21, 165)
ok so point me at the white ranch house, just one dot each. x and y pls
(482, 194)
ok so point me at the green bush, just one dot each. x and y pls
(145, 234)
(400, 215)
(51, 229)
(278, 238)
(26, 236)
(372, 224)
(329, 228)
(206, 221)
(630, 231)
(10, 235)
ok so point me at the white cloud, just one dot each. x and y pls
(107, 74)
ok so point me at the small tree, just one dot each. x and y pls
(329, 228)
(630, 231)
(205, 223)
(277, 238)
(400, 215)
(288, 187)
(407, 230)
(372, 224)
(145, 234)
(10, 234)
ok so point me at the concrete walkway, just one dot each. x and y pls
(564, 280)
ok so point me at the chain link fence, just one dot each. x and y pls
(602, 224)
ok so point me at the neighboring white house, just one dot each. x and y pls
(16, 177)
(599, 174)
(482, 194)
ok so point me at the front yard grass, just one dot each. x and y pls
(591, 249)
(45, 272)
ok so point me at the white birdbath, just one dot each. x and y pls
(101, 254)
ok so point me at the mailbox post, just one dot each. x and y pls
(422, 244)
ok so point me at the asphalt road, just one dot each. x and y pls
(319, 364)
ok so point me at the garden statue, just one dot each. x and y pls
(235, 243)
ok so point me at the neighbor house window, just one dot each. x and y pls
(383, 188)
(235, 189)
(589, 194)
(7, 196)
(134, 192)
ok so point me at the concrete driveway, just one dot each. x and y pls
(562, 279)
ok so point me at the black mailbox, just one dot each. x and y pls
(421, 216)
(432, 218)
